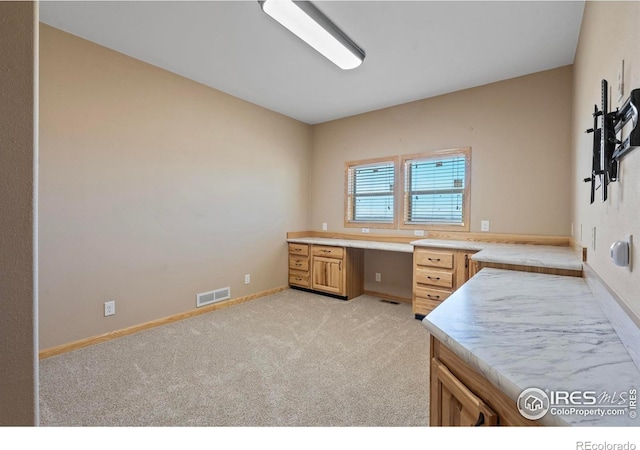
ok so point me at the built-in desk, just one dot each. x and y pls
(443, 266)
(333, 267)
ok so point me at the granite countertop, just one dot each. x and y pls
(523, 330)
(355, 243)
(548, 256)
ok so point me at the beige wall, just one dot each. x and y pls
(18, 156)
(154, 188)
(609, 34)
(519, 132)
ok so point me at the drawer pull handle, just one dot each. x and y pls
(326, 251)
(433, 278)
(437, 297)
(296, 249)
(298, 264)
(298, 279)
(434, 259)
(480, 420)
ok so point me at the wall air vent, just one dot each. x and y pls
(206, 298)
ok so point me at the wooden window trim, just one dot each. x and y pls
(396, 194)
(403, 199)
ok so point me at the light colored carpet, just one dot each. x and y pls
(290, 359)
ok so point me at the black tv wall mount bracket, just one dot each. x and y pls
(607, 148)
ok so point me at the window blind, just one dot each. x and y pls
(371, 193)
(435, 189)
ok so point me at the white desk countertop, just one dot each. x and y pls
(548, 256)
(355, 243)
(522, 330)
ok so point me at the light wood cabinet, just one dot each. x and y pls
(455, 404)
(436, 274)
(331, 270)
(299, 265)
(328, 275)
(460, 396)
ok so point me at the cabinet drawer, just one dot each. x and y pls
(434, 277)
(299, 278)
(432, 294)
(424, 305)
(299, 263)
(432, 258)
(299, 249)
(328, 252)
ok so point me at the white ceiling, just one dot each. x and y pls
(415, 49)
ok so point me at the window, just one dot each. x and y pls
(370, 193)
(436, 190)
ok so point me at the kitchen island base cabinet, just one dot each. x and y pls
(460, 396)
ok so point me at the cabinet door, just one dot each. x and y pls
(327, 275)
(453, 404)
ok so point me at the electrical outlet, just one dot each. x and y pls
(418, 232)
(109, 308)
(324, 226)
(247, 278)
(484, 225)
(365, 230)
(378, 277)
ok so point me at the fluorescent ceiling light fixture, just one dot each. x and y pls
(309, 24)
